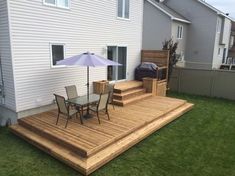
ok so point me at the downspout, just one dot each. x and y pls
(2, 91)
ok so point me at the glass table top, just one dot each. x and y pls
(83, 100)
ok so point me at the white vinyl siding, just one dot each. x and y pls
(218, 27)
(124, 9)
(87, 26)
(5, 54)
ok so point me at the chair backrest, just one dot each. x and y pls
(109, 89)
(60, 101)
(103, 102)
(71, 91)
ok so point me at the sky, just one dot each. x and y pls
(226, 6)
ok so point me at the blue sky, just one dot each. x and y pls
(227, 6)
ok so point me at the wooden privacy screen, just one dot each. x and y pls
(158, 57)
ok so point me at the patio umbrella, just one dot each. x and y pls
(89, 60)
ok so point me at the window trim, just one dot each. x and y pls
(181, 32)
(56, 4)
(123, 10)
(51, 56)
(117, 45)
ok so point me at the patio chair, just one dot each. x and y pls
(102, 105)
(64, 109)
(71, 91)
(109, 89)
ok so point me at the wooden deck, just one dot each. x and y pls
(87, 147)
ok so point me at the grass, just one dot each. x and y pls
(200, 143)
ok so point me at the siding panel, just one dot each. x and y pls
(5, 53)
(86, 26)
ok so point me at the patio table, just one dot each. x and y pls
(83, 101)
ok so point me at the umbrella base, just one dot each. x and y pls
(87, 116)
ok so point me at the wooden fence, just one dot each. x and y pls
(213, 83)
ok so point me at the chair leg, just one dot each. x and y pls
(98, 117)
(80, 117)
(113, 106)
(58, 116)
(67, 122)
(108, 114)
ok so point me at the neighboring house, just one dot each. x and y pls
(206, 30)
(231, 53)
(35, 34)
(208, 34)
(163, 23)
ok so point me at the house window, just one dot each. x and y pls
(124, 8)
(180, 32)
(57, 53)
(57, 3)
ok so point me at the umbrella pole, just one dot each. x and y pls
(88, 84)
(88, 115)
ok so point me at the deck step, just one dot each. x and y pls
(54, 149)
(132, 100)
(127, 86)
(71, 142)
(129, 94)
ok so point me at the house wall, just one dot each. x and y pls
(9, 101)
(156, 27)
(86, 26)
(181, 42)
(201, 32)
(221, 41)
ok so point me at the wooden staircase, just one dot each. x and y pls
(129, 92)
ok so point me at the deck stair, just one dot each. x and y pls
(129, 92)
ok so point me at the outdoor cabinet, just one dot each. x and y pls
(99, 86)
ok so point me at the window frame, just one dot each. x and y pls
(56, 4)
(180, 32)
(123, 10)
(51, 55)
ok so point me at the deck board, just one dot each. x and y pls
(91, 141)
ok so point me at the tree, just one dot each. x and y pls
(172, 47)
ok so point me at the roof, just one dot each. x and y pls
(168, 11)
(215, 10)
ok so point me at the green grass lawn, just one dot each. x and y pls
(201, 142)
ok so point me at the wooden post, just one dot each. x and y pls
(150, 84)
(161, 89)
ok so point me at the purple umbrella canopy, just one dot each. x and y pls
(88, 59)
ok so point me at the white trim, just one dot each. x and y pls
(127, 59)
(181, 20)
(51, 57)
(12, 55)
(167, 13)
(180, 32)
(56, 4)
